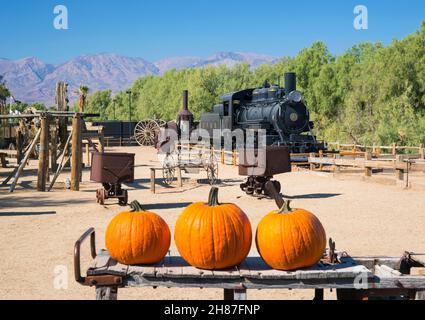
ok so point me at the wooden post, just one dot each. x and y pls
(422, 151)
(222, 156)
(76, 152)
(102, 140)
(394, 149)
(234, 294)
(420, 295)
(19, 144)
(234, 157)
(312, 165)
(338, 146)
(335, 167)
(179, 177)
(88, 154)
(368, 171)
(152, 180)
(321, 156)
(399, 174)
(54, 150)
(43, 159)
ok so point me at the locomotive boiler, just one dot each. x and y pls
(280, 112)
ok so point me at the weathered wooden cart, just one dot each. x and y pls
(353, 278)
(191, 160)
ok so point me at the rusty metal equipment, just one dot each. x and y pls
(260, 166)
(111, 170)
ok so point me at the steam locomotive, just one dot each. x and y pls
(281, 112)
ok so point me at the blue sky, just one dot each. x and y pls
(159, 29)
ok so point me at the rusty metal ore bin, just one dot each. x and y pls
(261, 165)
(112, 169)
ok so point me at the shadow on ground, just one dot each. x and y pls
(23, 214)
(313, 196)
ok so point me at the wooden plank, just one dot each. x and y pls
(174, 266)
(418, 258)
(232, 273)
(383, 271)
(417, 271)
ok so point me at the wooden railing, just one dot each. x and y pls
(394, 149)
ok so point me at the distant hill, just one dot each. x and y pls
(32, 80)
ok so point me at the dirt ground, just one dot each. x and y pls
(38, 230)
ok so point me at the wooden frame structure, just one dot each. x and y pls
(43, 138)
(352, 277)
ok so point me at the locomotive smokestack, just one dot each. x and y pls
(290, 82)
(185, 100)
(185, 118)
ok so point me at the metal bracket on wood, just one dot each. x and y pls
(106, 280)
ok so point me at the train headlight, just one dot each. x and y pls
(295, 96)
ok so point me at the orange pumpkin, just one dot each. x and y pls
(213, 236)
(290, 239)
(138, 237)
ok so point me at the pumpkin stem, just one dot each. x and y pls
(213, 197)
(286, 208)
(136, 206)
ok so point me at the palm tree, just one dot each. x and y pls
(82, 102)
(4, 94)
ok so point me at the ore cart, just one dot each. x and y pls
(111, 170)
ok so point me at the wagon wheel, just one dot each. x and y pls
(168, 170)
(145, 132)
(211, 166)
(168, 174)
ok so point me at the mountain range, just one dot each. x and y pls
(32, 80)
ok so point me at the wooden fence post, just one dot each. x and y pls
(43, 158)
(368, 171)
(394, 149)
(312, 165)
(422, 151)
(234, 157)
(321, 157)
(76, 152)
(399, 173)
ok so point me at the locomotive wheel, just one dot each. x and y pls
(146, 132)
(250, 191)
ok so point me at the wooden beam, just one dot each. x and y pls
(152, 180)
(76, 152)
(43, 158)
(24, 161)
(368, 171)
(64, 159)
